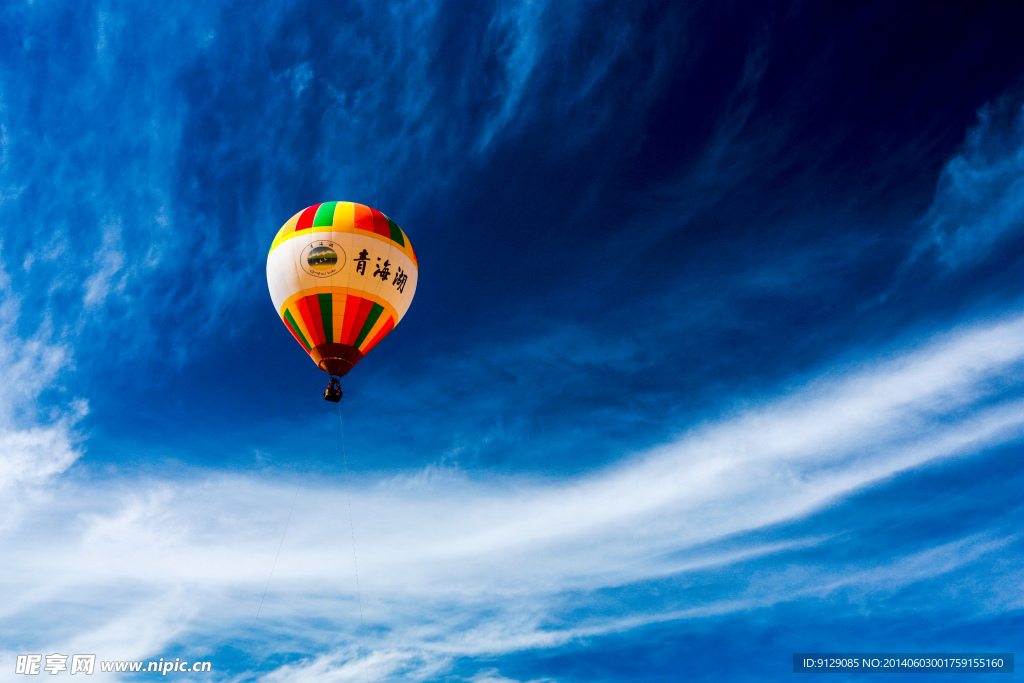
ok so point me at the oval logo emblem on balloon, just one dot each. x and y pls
(322, 258)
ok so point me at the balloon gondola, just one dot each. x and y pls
(333, 391)
(341, 276)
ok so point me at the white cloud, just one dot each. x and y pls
(31, 456)
(33, 448)
(452, 566)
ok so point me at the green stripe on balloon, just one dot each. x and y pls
(371, 320)
(396, 232)
(324, 215)
(296, 329)
(327, 316)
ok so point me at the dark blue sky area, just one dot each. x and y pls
(698, 202)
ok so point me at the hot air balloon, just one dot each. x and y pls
(341, 276)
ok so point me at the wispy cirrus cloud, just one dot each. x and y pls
(35, 445)
(172, 143)
(454, 567)
(86, 230)
(979, 201)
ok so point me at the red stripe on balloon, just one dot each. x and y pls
(303, 308)
(305, 221)
(357, 326)
(380, 223)
(351, 310)
(313, 304)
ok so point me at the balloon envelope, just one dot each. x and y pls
(341, 276)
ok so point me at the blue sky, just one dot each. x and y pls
(716, 353)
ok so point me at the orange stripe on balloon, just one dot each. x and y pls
(338, 309)
(362, 218)
(388, 326)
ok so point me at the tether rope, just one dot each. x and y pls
(355, 562)
(274, 565)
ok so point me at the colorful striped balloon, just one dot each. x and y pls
(341, 276)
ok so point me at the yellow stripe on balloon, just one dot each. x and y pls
(344, 217)
(287, 230)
